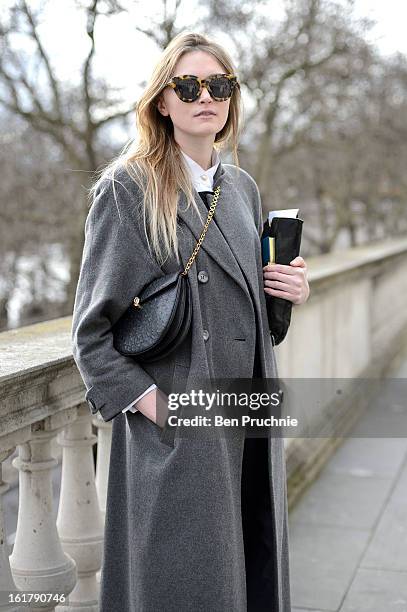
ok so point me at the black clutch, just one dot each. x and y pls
(280, 241)
(158, 320)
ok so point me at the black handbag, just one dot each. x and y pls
(286, 233)
(158, 320)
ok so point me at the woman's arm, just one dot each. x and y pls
(115, 266)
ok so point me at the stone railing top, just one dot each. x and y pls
(321, 267)
(25, 349)
(39, 380)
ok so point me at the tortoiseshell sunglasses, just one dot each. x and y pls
(188, 87)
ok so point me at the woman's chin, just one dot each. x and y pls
(206, 131)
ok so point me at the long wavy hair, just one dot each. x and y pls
(154, 159)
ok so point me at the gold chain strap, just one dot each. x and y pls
(202, 236)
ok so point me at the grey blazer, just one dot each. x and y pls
(173, 537)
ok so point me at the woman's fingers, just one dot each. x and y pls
(284, 290)
(282, 294)
(288, 282)
(298, 261)
(288, 277)
(283, 269)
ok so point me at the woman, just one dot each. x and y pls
(190, 524)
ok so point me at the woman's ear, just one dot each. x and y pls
(161, 106)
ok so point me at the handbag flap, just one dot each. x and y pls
(158, 285)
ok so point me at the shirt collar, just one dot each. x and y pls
(202, 179)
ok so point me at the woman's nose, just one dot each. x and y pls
(205, 95)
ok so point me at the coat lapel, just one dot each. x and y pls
(230, 242)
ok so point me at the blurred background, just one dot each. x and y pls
(325, 91)
(324, 84)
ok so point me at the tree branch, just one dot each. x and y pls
(34, 35)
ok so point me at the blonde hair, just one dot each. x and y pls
(155, 161)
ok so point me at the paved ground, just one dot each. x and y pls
(348, 533)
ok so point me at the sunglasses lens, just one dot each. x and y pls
(221, 87)
(188, 89)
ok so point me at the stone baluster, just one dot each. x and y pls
(80, 522)
(7, 584)
(38, 563)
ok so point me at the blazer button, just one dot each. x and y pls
(203, 276)
(205, 334)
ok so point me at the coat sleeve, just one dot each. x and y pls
(115, 266)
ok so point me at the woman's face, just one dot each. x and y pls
(183, 114)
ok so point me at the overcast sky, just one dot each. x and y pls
(391, 15)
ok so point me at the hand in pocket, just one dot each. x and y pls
(154, 406)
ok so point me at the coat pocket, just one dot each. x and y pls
(146, 426)
(178, 385)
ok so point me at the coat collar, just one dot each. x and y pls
(230, 241)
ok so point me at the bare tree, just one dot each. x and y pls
(73, 117)
(163, 29)
(316, 135)
(325, 129)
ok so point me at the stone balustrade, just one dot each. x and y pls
(42, 400)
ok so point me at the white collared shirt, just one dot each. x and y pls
(202, 180)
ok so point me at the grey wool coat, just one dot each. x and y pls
(173, 532)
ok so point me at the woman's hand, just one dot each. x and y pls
(288, 282)
(154, 405)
